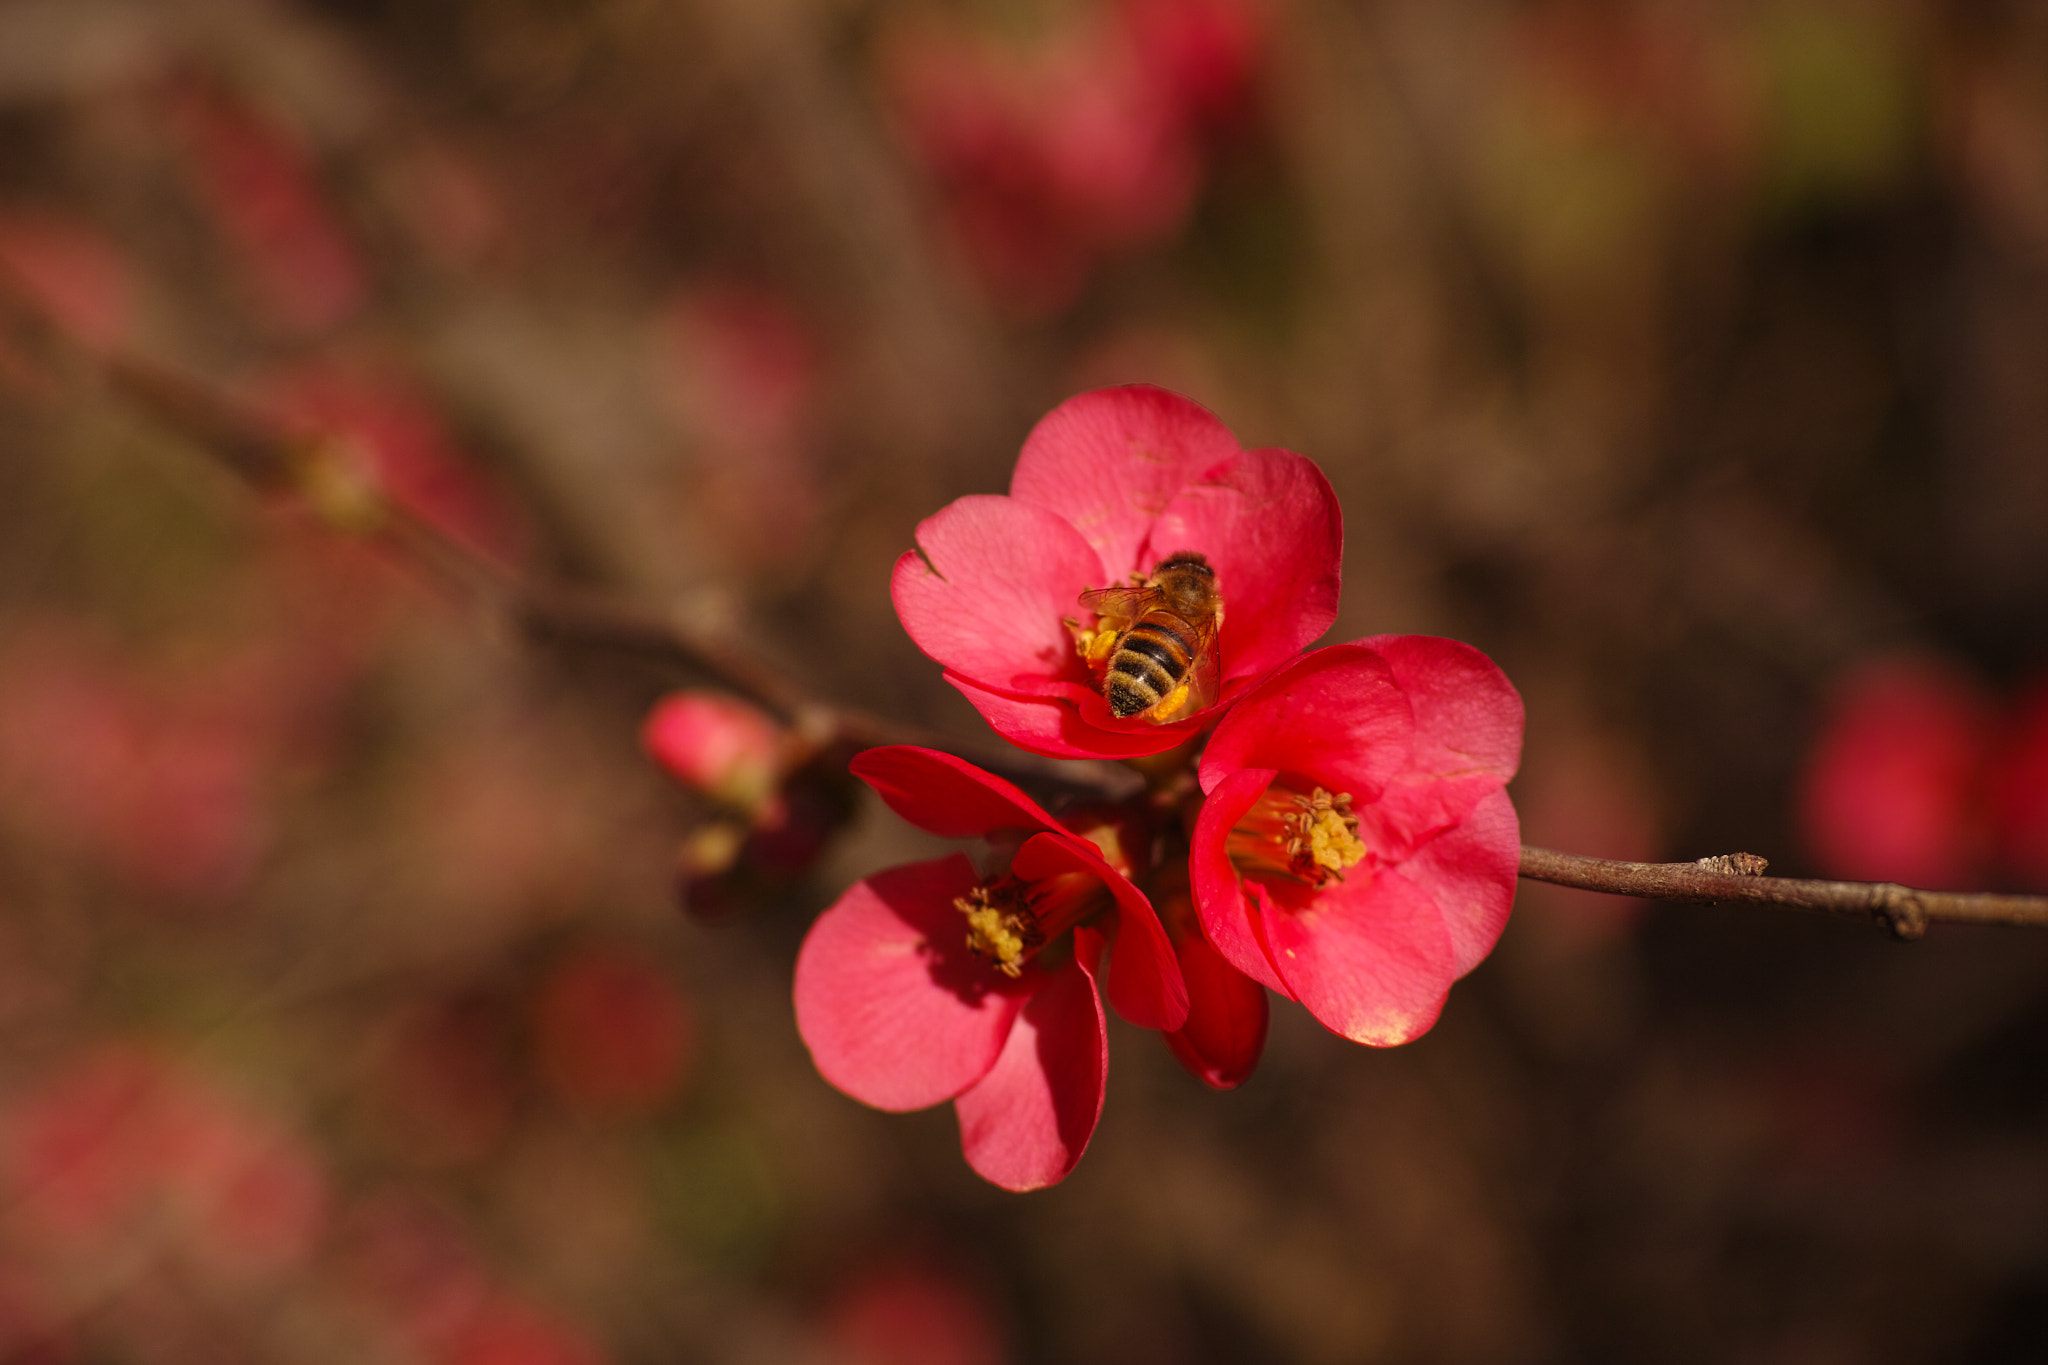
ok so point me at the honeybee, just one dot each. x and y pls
(1158, 637)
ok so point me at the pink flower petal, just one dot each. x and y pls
(945, 795)
(1144, 978)
(1218, 891)
(894, 1008)
(1270, 526)
(988, 593)
(1025, 1124)
(1110, 461)
(1054, 727)
(1334, 718)
(1468, 716)
(1370, 957)
(1468, 740)
(1227, 1015)
(1469, 870)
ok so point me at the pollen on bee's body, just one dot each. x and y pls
(1311, 839)
(1093, 643)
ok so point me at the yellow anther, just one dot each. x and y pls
(1009, 920)
(1000, 928)
(1311, 838)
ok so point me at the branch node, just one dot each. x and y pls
(1734, 864)
(1900, 910)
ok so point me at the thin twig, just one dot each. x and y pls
(275, 458)
(1905, 911)
(271, 457)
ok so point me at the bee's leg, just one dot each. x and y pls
(1174, 705)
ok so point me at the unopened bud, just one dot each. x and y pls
(718, 745)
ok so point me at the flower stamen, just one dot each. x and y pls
(1009, 919)
(1308, 838)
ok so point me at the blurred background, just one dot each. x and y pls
(1690, 357)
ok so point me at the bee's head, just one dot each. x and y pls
(1183, 560)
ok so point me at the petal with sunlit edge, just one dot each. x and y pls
(1109, 462)
(1144, 979)
(945, 795)
(1025, 1124)
(1227, 1014)
(1270, 526)
(988, 593)
(1370, 957)
(896, 1011)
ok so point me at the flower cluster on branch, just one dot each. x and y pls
(1148, 591)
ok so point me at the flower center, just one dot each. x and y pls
(1009, 919)
(1309, 838)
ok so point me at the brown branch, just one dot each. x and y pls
(310, 466)
(265, 454)
(1905, 911)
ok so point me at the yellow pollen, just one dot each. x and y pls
(1311, 838)
(1093, 643)
(999, 928)
(1009, 920)
(1332, 836)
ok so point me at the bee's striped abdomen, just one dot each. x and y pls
(1150, 660)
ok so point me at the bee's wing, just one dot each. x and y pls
(1125, 604)
(1198, 689)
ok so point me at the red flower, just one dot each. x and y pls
(1357, 850)
(1109, 484)
(70, 269)
(262, 189)
(124, 1149)
(388, 434)
(906, 1313)
(1047, 163)
(901, 1011)
(1204, 53)
(1054, 158)
(1225, 1030)
(2018, 797)
(1890, 788)
(612, 1032)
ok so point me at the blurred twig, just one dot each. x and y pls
(1739, 877)
(265, 454)
(311, 466)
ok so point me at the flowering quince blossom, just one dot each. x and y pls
(1109, 484)
(932, 982)
(1356, 849)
